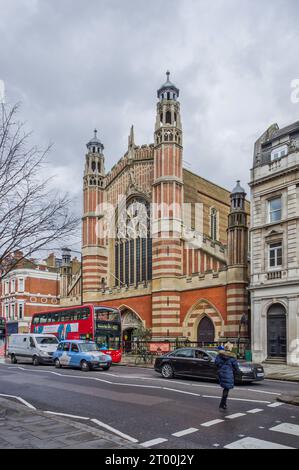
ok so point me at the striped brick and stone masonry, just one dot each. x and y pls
(94, 250)
(167, 199)
(237, 272)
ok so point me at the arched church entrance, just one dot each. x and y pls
(206, 331)
(277, 331)
(203, 323)
(130, 323)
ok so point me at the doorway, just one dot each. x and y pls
(277, 331)
(206, 331)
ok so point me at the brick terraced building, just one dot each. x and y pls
(163, 244)
(31, 287)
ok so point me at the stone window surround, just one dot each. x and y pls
(278, 267)
(274, 198)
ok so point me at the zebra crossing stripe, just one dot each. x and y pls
(236, 415)
(253, 443)
(211, 423)
(275, 405)
(185, 432)
(255, 410)
(153, 442)
(287, 428)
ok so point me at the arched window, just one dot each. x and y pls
(168, 117)
(133, 248)
(213, 224)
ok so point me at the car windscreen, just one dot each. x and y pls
(43, 340)
(214, 354)
(88, 347)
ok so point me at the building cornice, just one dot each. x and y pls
(273, 176)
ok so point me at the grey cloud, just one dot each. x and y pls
(79, 65)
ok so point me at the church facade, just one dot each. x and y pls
(166, 246)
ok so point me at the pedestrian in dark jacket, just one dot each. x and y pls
(226, 364)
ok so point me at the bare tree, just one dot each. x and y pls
(31, 215)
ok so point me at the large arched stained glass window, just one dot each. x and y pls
(133, 244)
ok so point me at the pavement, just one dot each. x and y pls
(24, 428)
(281, 372)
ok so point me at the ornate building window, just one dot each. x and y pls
(275, 255)
(133, 247)
(213, 224)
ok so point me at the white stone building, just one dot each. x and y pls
(275, 246)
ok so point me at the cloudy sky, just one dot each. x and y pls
(76, 65)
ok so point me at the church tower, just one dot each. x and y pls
(167, 213)
(94, 251)
(65, 272)
(237, 266)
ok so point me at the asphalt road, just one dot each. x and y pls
(160, 414)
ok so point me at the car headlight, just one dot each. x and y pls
(245, 369)
(44, 353)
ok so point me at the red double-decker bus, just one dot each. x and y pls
(2, 337)
(86, 322)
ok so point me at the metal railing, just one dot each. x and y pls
(157, 348)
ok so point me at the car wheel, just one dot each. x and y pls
(106, 367)
(35, 361)
(167, 371)
(84, 366)
(13, 359)
(57, 364)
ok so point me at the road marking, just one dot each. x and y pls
(275, 405)
(266, 393)
(252, 443)
(19, 399)
(66, 415)
(115, 431)
(153, 442)
(279, 381)
(236, 415)
(238, 399)
(185, 432)
(135, 377)
(179, 391)
(138, 385)
(287, 428)
(211, 423)
(255, 410)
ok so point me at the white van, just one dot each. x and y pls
(34, 348)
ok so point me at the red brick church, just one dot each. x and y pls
(166, 246)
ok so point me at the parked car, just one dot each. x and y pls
(82, 354)
(200, 363)
(34, 348)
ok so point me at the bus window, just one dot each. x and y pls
(64, 316)
(75, 315)
(84, 314)
(35, 320)
(56, 317)
(50, 318)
